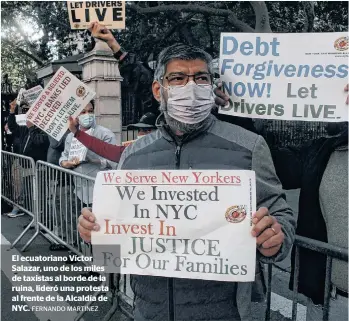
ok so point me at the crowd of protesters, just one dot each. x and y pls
(183, 87)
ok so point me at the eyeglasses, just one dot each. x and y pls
(181, 79)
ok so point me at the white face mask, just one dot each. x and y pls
(87, 120)
(190, 104)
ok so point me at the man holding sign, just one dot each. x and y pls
(189, 137)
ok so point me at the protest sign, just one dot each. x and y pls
(21, 120)
(31, 94)
(183, 223)
(64, 96)
(109, 13)
(20, 96)
(285, 76)
(77, 149)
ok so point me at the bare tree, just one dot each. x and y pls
(262, 23)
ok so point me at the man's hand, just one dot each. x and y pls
(75, 161)
(71, 163)
(13, 106)
(268, 232)
(86, 224)
(221, 98)
(29, 124)
(73, 124)
(99, 31)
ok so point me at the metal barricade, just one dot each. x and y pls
(331, 252)
(18, 182)
(61, 194)
(121, 296)
(54, 196)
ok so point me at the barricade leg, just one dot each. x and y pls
(24, 248)
(270, 272)
(18, 179)
(22, 234)
(113, 291)
(36, 213)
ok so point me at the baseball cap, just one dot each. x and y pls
(147, 121)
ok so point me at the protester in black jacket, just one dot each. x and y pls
(32, 141)
(28, 141)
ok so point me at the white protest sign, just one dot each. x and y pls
(64, 96)
(20, 96)
(109, 13)
(180, 223)
(31, 94)
(285, 76)
(77, 149)
(21, 120)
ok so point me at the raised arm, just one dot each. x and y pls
(12, 124)
(99, 31)
(109, 151)
(101, 148)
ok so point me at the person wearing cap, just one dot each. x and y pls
(145, 125)
(109, 151)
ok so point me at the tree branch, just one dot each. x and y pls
(32, 56)
(23, 35)
(262, 16)
(209, 31)
(309, 16)
(197, 9)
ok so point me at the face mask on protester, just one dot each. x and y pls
(190, 104)
(87, 120)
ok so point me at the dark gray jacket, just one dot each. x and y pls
(217, 145)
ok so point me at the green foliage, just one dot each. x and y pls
(33, 34)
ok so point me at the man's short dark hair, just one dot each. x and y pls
(181, 52)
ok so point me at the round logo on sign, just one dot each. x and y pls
(342, 43)
(80, 91)
(235, 214)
